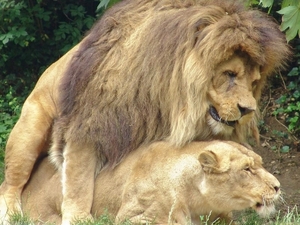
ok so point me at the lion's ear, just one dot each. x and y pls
(209, 161)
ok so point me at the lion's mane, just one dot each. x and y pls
(120, 91)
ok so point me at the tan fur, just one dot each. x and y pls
(149, 70)
(202, 178)
(30, 136)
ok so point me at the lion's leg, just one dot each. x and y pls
(78, 176)
(25, 143)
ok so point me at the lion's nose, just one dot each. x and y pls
(245, 110)
(276, 188)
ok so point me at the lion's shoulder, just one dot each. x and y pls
(144, 71)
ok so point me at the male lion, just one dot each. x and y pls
(202, 178)
(149, 70)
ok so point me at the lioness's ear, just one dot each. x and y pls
(209, 161)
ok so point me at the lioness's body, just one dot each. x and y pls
(149, 70)
(176, 187)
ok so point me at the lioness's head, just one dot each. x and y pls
(235, 179)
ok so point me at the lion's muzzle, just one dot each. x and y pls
(244, 112)
(214, 114)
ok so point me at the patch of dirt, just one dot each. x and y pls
(285, 165)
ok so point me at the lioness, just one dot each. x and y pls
(202, 178)
(149, 70)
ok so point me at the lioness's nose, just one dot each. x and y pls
(276, 188)
(245, 110)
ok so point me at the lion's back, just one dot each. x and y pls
(135, 78)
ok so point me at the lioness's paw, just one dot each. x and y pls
(8, 207)
(3, 211)
(69, 220)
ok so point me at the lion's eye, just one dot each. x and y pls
(254, 84)
(230, 73)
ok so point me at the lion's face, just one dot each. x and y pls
(231, 93)
(240, 179)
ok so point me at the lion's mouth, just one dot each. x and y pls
(214, 114)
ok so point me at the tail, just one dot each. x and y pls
(57, 146)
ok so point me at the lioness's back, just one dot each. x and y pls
(145, 185)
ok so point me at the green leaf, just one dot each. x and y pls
(103, 3)
(285, 149)
(252, 2)
(294, 72)
(296, 94)
(89, 21)
(5, 38)
(290, 21)
(266, 3)
(292, 85)
(294, 119)
(3, 128)
(281, 99)
(286, 3)
(273, 148)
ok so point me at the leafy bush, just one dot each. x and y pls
(10, 106)
(33, 34)
(290, 11)
(288, 105)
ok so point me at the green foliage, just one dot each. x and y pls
(33, 34)
(250, 217)
(204, 219)
(290, 21)
(291, 217)
(105, 4)
(290, 11)
(266, 3)
(105, 219)
(247, 217)
(18, 219)
(10, 108)
(288, 104)
(285, 149)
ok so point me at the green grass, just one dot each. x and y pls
(247, 217)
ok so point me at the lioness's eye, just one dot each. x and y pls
(247, 169)
(230, 73)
